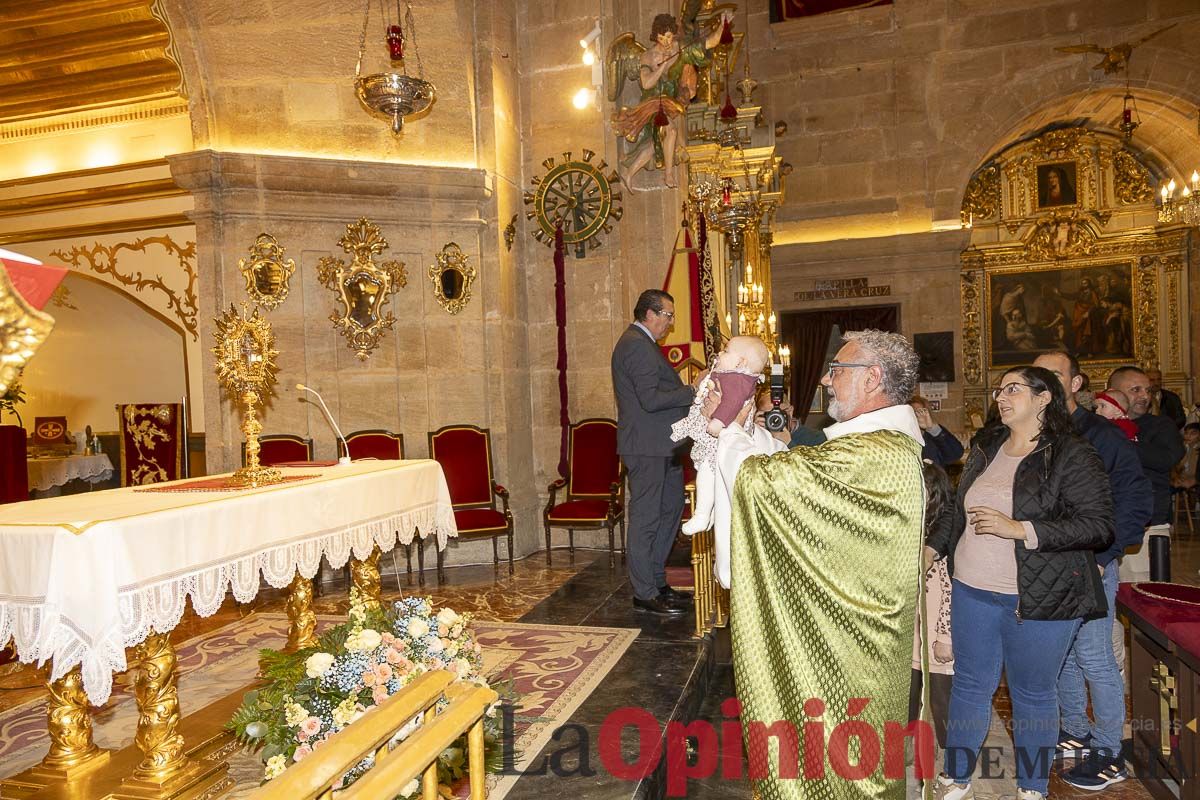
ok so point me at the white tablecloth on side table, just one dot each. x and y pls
(85, 576)
(46, 473)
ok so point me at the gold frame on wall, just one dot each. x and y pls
(266, 265)
(452, 259)
(363, 287)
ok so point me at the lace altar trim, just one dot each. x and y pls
(41, 633)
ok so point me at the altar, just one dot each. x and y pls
(84, 577)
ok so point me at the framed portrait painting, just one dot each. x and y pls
(1088, 311)
(1056, 184)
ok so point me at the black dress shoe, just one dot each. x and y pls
(657, 606)
(676, 599)
(675, 594)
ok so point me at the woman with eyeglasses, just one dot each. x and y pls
(1033, 505)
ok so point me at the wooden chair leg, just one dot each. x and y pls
(571, 540)
(420, 543)
(622, 538)
(547, 545)
(495, 550)
(510, 551)
(612, 548)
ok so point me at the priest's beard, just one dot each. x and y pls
(842, 409)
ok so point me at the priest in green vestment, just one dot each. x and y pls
(822, 556)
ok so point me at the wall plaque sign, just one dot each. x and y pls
(842, 289)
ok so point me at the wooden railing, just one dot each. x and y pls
(315, 776)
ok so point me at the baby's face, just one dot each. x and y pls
(746, 352)
(1108, 410)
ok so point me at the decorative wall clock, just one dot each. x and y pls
(578, 193)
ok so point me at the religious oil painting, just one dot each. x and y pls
(1056, 184)
(1087, 311)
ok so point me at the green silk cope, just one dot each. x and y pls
(826, 548)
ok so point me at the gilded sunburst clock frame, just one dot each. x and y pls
(245, 353)
(267, 272)
(580, 195)
(363, 287)
(452, 260)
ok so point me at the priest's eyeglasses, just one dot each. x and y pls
(1009, 389)
(837, 366)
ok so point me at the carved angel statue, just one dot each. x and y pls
(667, 77)
(1116, 58)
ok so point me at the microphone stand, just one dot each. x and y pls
(343, 461)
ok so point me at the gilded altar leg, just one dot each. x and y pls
(364, 577)
(302, 622)
(69, 723)
(164, 771)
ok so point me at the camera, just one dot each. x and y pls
(775, 419)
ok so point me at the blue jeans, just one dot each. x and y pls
(988, 637)
(1091, 658)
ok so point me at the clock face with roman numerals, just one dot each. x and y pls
(580, 195)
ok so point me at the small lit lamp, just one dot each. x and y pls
(1130, 119)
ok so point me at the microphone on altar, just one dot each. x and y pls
(344, 460)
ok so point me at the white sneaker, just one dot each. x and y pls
(1029, 794)
(699, 522)
(944, 788)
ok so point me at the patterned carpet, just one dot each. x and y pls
(552, 667)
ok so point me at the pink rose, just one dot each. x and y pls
(443, 630)
(379, 694)
(311, 726)
(301, 751)
(302, 736)
(368, 678)
(383, 673)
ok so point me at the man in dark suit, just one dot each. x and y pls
(1164, 402)
(650, 397)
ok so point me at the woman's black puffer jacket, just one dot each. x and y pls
(1060, 487)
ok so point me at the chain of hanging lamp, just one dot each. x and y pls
(393, 96)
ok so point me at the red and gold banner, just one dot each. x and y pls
(686, 339)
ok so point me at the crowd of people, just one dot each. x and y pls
(855, 570)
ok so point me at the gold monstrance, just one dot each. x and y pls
(245, 352)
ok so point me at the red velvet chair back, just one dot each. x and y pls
(380, 444)
(151, 442)
(465, 453)
(281, 448)
(14, 472)
(592, 458)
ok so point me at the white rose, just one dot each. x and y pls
(409, 789)
(464, 667)
(295, 713)
(447, 617)
(369, 639)
(417, 628)
(436, 646)
(318, 664)
(275, 767)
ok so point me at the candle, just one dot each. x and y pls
(771, 322)
(1195, 180)
(1128, 114)
(1164, 193)
(1171, 187)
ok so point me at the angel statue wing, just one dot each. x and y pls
(623, 63)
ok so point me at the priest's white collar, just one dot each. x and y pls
(892, 418)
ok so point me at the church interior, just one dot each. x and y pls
(308, 314)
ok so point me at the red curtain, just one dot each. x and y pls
(807, 334)
(14, 474)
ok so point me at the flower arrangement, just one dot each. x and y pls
(313, 693)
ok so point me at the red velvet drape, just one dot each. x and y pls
(14, 475)
(807, 334)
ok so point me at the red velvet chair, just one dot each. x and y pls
(465, 453)
(151, 442)
(594, 485)
(375, 443)
(281, 448)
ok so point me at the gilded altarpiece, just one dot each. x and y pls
(1065, 255)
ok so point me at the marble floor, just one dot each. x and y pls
(666, 671)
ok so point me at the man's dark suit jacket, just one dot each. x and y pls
(650, 396)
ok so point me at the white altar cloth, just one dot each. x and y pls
(84, 576)
(46, 473)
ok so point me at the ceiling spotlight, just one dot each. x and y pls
(586, 41)
(582, 98)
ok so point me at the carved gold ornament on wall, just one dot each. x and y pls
(22, 330)
(266, 272)
(982, 199)
(105, 260)
(972, 326)
(1131, 181)
(363, 287)
(245, 351)
(452, 277)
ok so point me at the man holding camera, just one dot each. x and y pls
(825, 545)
